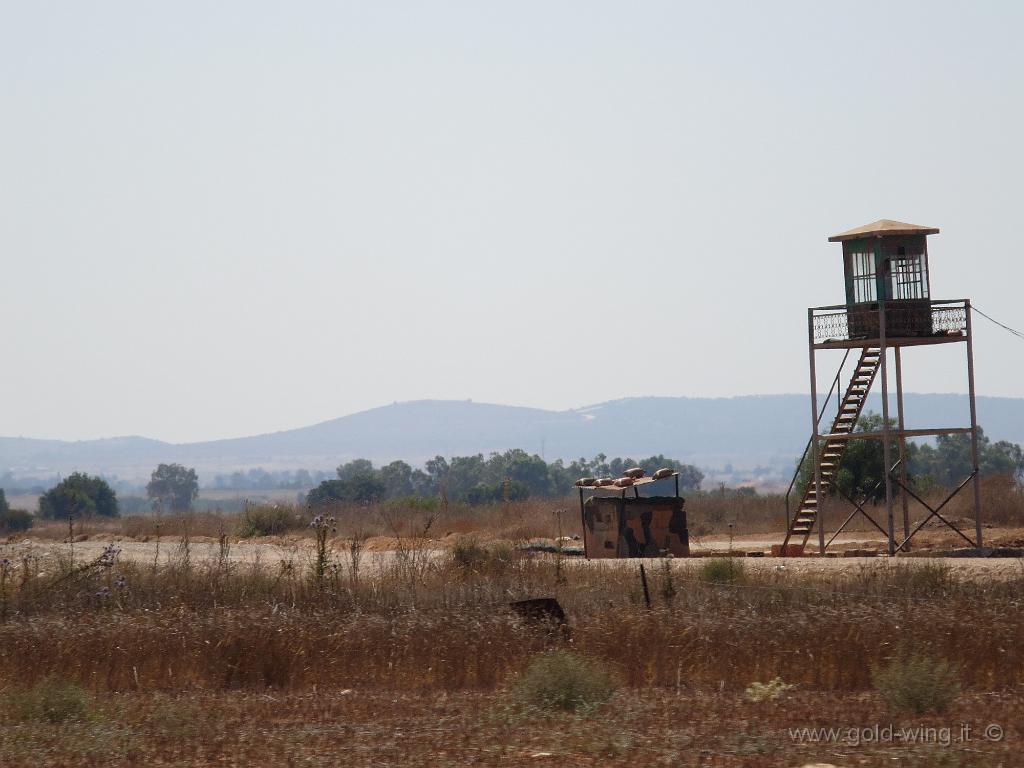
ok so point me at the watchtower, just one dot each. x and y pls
(888, 307)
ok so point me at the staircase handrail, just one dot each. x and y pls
(817, 423)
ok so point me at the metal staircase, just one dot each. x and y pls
(850, 408)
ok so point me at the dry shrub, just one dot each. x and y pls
(1002, 503)
(15, 520)
(268, 520)
(563, 680)
(208, 524)
(1002, 500)
(921, 578)
(713, 512)
(770, 691)
(50, 700)
(917, 682)
(470, 555)
(721, 570)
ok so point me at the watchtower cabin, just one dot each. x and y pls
(887, 262)
(888, 308)
(618, 521)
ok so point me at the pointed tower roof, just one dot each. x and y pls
(883, 227)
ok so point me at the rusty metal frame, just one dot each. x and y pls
(949, 311)
(857, 508)
(935, 512)
(860, 509)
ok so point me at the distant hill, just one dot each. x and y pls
(767, 430)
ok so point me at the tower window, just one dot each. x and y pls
(865, 287)
(909, 279)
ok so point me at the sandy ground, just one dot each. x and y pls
(300, 552)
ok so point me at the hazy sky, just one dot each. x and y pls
(219, 219)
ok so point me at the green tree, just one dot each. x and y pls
(422, 483)
(328, 492)
(364, 488)
(529, 471)
(80, 495)
(437, 470)
(464, 472)
(950, 460)
(355, 468)
(690, 478)
(862, 469)
(357, 481)
(173, 487)
(861, 474)
(397, 479)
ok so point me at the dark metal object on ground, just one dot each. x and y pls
(539, 610)
(643, 581)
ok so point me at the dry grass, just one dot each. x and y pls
(690, 726)
(204, 662)
(426, 623)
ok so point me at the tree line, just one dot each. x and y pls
(260, 479)
(512, 475)
(515, 475)
(171, 488)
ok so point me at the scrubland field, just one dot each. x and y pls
(384, 636)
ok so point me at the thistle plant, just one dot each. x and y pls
(6, 569)
(108, 557)
(223, 545)
(355, 551)
(106, 561)
(323, 526)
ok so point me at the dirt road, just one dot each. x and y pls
(300, 552)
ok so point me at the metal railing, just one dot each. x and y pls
(821, 415)
(902, 319)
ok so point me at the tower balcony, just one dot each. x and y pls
(905, 323)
